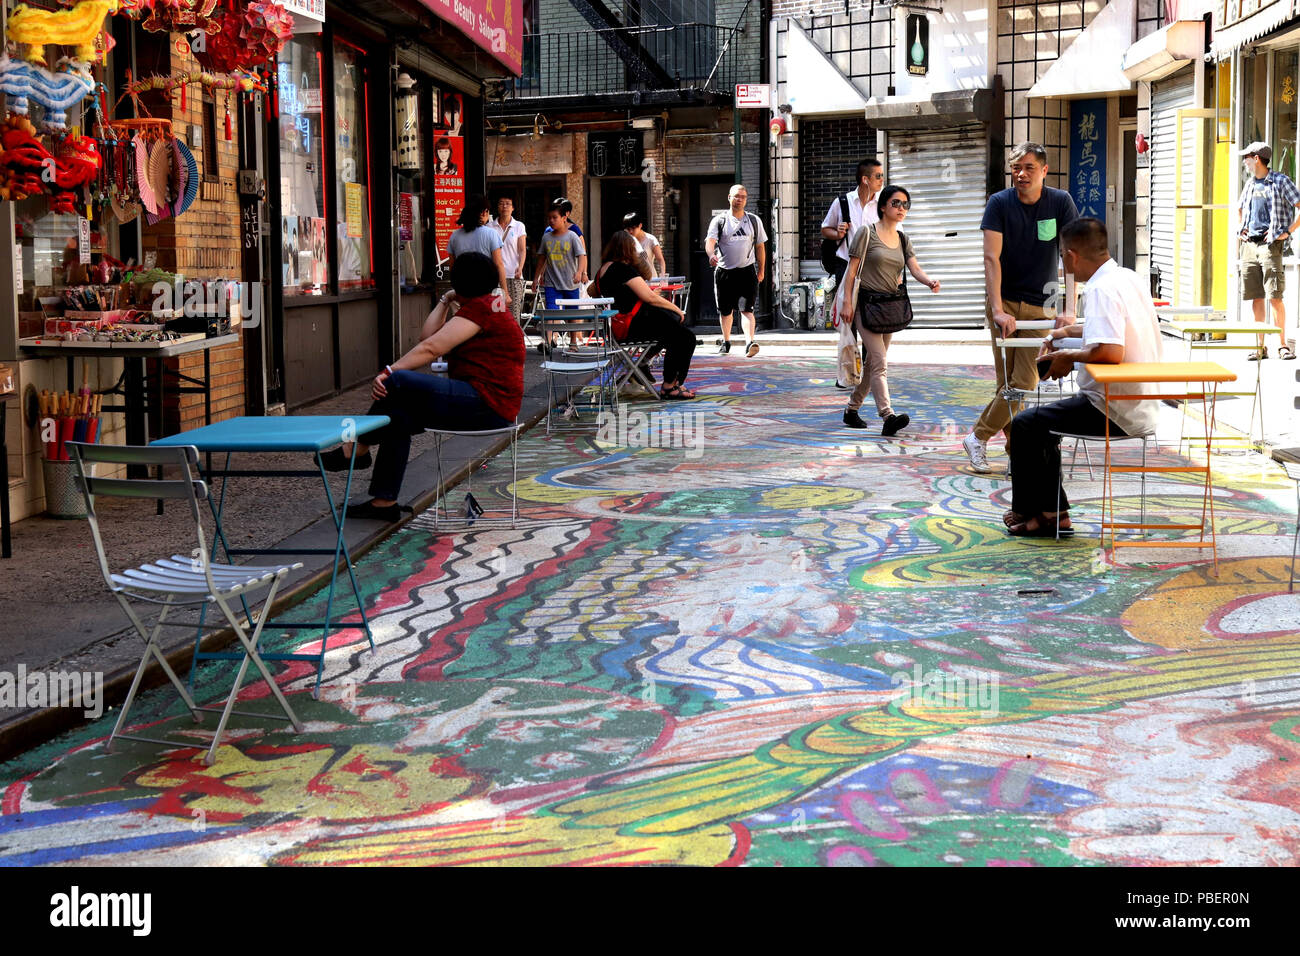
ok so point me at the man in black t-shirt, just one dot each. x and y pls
(1021, 256)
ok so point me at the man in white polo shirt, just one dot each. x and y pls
(513, 251)
(861, 205)
(1119, 325)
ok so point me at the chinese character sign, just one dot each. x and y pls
(448, 188)
(1088, 157)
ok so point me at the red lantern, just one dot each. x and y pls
(250, 35)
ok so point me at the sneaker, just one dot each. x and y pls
(1257, 356)
(839, 385)
(853, 419)
(893, 424)
(724, 348)
(751, 350)
(976, 452)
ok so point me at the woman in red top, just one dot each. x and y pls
(484, 387)
(623, 278)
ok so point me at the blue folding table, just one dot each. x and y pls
(293, 433)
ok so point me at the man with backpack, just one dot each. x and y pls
(735, 245)
(848, 214)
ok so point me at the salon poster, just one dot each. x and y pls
(448, 188)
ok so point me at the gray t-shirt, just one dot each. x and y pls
(484, 239)
(880, 265)
(561, 251)
(737, 238)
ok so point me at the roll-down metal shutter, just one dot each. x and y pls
(1166, 99)
(945, 171)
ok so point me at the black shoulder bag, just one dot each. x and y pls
(884, 312)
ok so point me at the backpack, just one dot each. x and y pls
(831, 246)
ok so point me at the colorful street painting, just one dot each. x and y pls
(793, 644)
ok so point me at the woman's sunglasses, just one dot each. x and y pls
(901, 203)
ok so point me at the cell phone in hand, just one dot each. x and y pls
(1044, 366)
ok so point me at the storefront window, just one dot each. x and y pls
(47, 244)
(352, 172)
(418, 112)
(1284, 111)
(1255, 99)
(305, 252)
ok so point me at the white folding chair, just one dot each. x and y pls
(473, 512)
(182, 580)
(1010, 394)
(585, 366)
(528, 309)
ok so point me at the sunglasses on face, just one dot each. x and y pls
(901, 203)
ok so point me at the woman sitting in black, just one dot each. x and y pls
(653, 318)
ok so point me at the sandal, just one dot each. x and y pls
(676, 393)
(1012, 518)
(1286, 354)
(1046, 528)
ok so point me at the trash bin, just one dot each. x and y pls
(63, 497)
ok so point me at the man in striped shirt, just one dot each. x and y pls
(1268, 215)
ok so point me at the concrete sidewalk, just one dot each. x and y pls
(58, 616)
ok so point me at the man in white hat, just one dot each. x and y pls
(1267, 212)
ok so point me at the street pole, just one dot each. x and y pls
(735, 124)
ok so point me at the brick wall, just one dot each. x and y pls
(202, 244)
(575, 182)
(829, 152)
(815, 8)
(1031, 37)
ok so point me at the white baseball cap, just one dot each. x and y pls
(1260, 149)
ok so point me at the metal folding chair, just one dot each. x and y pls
(1084, 439)
(1013, 396)
(473, 512)
(180, 581)
(586, 366)
(528, 309)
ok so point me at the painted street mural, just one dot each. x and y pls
(785, 643)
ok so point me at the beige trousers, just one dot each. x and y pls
(1023, 373)
(875, 371)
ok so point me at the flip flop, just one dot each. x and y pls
(1012, 518)
(677, 394)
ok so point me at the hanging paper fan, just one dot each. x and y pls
(250, 35)
(189, 176)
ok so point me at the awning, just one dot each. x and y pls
(497, 28)
(814, 85)
(1093, 64)
(1271, 15)
(1166, 51)
(936, 111)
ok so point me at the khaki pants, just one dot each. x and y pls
(1023, 371)
(875, 370)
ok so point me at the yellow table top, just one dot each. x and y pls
(1125, 372)
(1259, 328)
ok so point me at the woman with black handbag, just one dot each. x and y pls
(874, 280)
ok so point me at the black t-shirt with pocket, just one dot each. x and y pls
(1031, 249)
